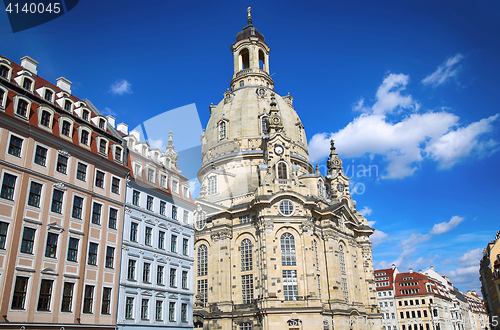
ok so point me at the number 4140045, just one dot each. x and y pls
(34, 8)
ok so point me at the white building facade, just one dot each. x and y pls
(156, 286)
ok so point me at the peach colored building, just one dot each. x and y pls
(62, 171)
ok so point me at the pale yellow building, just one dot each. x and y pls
(277, 244)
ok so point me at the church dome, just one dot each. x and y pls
(249, 31)
(238, 122)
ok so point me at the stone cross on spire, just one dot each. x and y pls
(249, 16)
(170, 145)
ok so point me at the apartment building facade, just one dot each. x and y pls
(156, 287)
(62, 170)
(489, 269)
(478, 316)
(386, 296)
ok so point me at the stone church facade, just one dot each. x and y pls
(277, 244)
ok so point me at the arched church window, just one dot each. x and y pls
(202, 260)
(212, 185)
(342, 259)
(282, 172)
(321, 189)
(242, 83)
(316, 255)
(288, 250)
(264, 124)
(201, 220)
(246, 255)
(262, 60)
(222, 130)
(245, 58)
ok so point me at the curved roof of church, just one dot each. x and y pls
(249, 31)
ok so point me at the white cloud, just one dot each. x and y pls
(446, 70)
(465, 275)
(365, 211)
(404, 143)
(155, 144)
(378, 237)
(444, 227)
(121, 87)
(108, 111)
(371, 223)
(194, 184)
(471, 257)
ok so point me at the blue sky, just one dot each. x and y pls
(409, 88)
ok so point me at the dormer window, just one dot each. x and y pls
(22, 107)
(85, 115)
(66, 128)
(102, 122)
(3, 98)
(144, 151)
(48, 95)
(103, 146)
(130, 143)
(118, 154)
(85, 136)
(46, 118)
(67, 105)
(4, 72)
(27, 83)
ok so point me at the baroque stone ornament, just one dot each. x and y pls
(265, 225)
(64, 153)
(128, 210)
(221, 234)
(307, 226)
(60, 186)
(330, 234)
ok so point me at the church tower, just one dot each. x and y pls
(277, 244)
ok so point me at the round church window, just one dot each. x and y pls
(286, 207)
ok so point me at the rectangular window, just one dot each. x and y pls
(28, 240)
(118, 154)
(84, 139)
(175, 186)
(92, 257)
(15, 146)
(110, 257)
(99, 179)
(67, 298)
(40, 155)
(162, 207)
(149, 203)
(135, 197)
(8, 186)
(173, 280)
(173, 244)
(146, 273)
(115, 186)
(20, 289)
(163, 181)
(129, 307)
(77, 207)
(57, 198)
(102, 122)
(290, 288)
(247, 288)
(96, 213)
(88, 299)
(27, 84)
(106, 301)
(174, 212)
(62, 164)
(51, 247)
(171, 311)
(3, 234)
(133, 231)
(85, 115)
(184, 279)
(73, 249)
(67, 105)
(159, 274)
(131, 270)
(202, 290)
(159, 310)
(137, 170)
(148, 235)
(35, 192)
(184, 312)
(144, 309)
(185, 216)
(81, 172)
(185, 246)
(161, 240)
(44, 297)
(113, 215)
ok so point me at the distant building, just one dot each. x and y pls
(490, 278)
(62, 171)
(384, 284)
(156, 286)
(479, 317)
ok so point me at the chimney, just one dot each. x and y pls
(29, 64)
(393, 266)
(474, 292)
(411, 270)
(468, 291)
(432, 267)
(122, 128)
(136, 134)
(64, 84)
(420, 271)
(111, 121)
